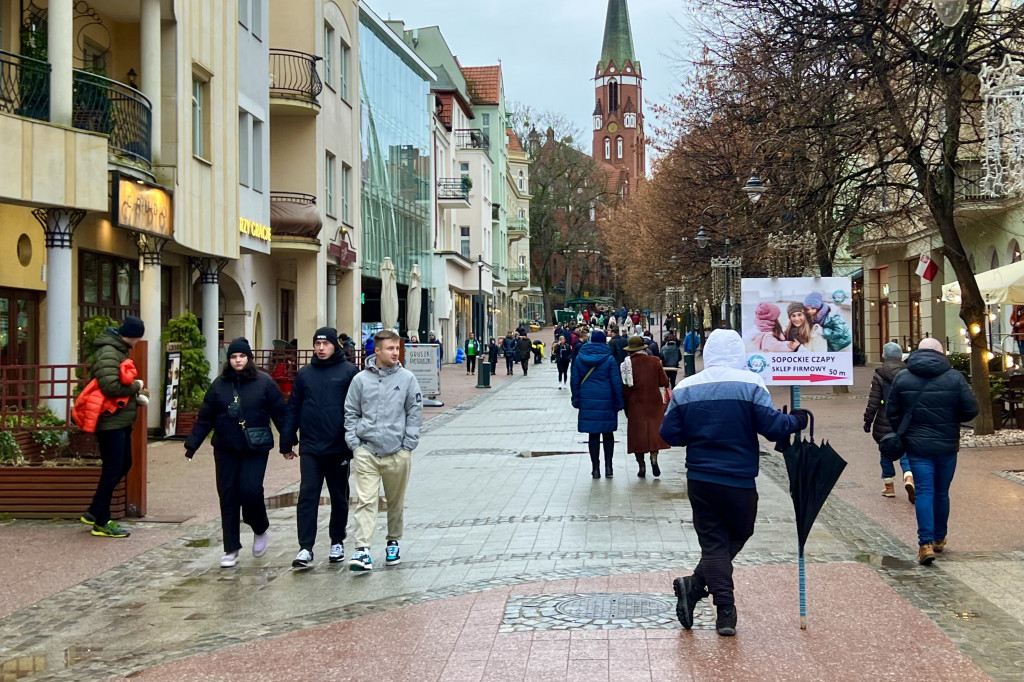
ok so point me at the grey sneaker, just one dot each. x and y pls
(303, 559)
(393, 556)
(337, 552)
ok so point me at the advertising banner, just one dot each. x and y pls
(424, 360)
(798, 331)
(172, 362)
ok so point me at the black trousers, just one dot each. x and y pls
(723, 517)
(509, 364)
(594, 443)
(525, 362)
(116, 454)
(240, 488)
(314, 471)
(471, 364)
(563, 371)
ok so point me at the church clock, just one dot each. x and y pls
(613, 127)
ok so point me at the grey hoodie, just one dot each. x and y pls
(383, 410)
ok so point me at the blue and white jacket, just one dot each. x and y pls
(718, 413)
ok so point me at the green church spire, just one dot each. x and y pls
(618, 37)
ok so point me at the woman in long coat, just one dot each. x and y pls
(596, 388)
(645, 407)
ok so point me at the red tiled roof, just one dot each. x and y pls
(483, 83)
(514, 145)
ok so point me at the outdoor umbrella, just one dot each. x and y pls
(813, 471)
(388, 295)
(413, 304)
(998, 285)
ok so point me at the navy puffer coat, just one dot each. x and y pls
(598, 396)
(946, 401)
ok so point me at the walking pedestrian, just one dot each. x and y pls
(492, 353)
(238, 408)
(509, 348)
(563, 356)
(472, 349)
(315, 410)
(617, 342)
(935, 399)
(114, 430)
(383, 416)
(1017, 327)
(523, 351)
(596, 387)
(645, 404)
(670, 358)
(717, 414)
(877, 424)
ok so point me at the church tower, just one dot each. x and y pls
(619, 140)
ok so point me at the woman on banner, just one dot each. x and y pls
(801, 330)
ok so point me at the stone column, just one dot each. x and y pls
(209, 274)
(149, 40)
(60, 42)
(900, 273)
(59, 225)
(332, 296)
(150, 258)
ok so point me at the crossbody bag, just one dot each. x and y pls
(259, 438)
(892, 446)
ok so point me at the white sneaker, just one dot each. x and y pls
(259, 544)
(303, 559)
(337, 553)
(229, 560)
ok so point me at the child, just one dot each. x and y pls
(769, 336)
(800, 330)
(833, 327)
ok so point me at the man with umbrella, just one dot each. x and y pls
(717, 414)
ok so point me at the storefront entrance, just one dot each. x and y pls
(19, 326)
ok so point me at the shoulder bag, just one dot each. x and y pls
(259, 438)
(892, 446)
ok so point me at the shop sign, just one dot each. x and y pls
(345, 254)
(142, 207)
(254, 229)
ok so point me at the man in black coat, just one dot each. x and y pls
(618, 343)
(940, 399)
(524, 347)
(316, 410)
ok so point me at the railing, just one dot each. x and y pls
(282, 364)
(467, 138)
(35, 400)
(520, 225)
(970, 183)
(453, 188)
(293, 75)
(24, 86)
(102, 105)
(519, 275)
(294, 197)
(294, 214)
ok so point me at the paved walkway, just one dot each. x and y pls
(524, 568)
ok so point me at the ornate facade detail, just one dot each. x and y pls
(208, 268)
(151, 249)
(59, 225)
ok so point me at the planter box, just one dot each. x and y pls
(53, 492)
(184, 424)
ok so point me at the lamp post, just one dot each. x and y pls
(481, 307)
(726, 264)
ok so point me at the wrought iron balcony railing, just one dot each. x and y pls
(470, 138)
(970, 183)
(453, 188)
(293, 75)
(102, 105)
(519, 275)
(24, 86)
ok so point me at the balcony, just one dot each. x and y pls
(972, 197)
(499, 273)
(518, 228)
(295, 85)
(519, 277)
(24, 86)
(295, 222)
(495, 212)
(453, 192)
(467, 138)
(125, 115)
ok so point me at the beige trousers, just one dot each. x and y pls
(369, 472)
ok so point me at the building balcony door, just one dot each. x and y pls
(19, 327)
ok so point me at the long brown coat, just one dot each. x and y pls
(645, 407)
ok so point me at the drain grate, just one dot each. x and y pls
(525, 613)
(610, 607)
(452, 452)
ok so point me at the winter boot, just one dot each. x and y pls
(655, 469)
(908, 485)
(725, 624)
(642, 470)
(926, 554)
(889, 490)
(595, 466)
(607, 466)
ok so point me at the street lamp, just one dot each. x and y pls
(725, 264)
(480, 298)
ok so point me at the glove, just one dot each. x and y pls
(141, 399)
(138, 385)
(783, 443)
(189, 453)
(803, 417)
(867, 427)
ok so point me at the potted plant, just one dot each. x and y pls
(194, 378)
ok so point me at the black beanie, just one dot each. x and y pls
(132, 328)
(239, 345)
(327, 334)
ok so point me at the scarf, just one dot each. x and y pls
(626, 371)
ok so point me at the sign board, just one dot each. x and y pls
(424, 360)
(142, 207)
(171, 381)
(253, 235)
(798, 331)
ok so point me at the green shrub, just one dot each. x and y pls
(10, 453)
(195, 368)
(93, 327)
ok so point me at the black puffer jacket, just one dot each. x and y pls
(618, 345)
(523, 348)
(316, 407)
(944, 403)
(261, 401)
(881, 383)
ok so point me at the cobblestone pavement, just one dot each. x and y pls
(484, 520)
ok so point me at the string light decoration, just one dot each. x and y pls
(1002, 90)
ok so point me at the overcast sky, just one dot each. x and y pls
(549, 48)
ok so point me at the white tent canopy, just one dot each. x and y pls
(1003, 285)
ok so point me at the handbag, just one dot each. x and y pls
(892, 446)
(259, 438)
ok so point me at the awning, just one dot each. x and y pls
(1003, 285)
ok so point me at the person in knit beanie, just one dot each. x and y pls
(769, 336)
(803, 331)
(834, 328)
(877, 423)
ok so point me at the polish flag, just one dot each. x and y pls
(926, 268)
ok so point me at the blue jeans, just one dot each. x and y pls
(932, 476)
(889, 469)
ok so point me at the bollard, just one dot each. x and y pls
(484, 375)
(690, 363)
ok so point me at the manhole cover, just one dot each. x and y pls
(613, 606)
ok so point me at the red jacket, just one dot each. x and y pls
(91, 403)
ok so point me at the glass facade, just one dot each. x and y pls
(396, 196)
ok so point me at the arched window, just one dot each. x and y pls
(1013, 251)
(613, 95)
(521, 181)
(618, 147)
(629, 120)
(607, 149)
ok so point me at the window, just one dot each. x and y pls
(244, 162)
(464, 169)
(346, 183)
(329, 169)
(200, 89)
(243, 12)
(522, 181)
(485, 121)
(464, 246)
(94, 58)
(613, 95)
(618, 147)
(345, 54)
(629, 120)
(257, 18)
(329, 55)
(522, 261)
(257, 155)
(598, 123)
(607, 149)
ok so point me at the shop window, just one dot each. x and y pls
(464, 245)
(108, 285)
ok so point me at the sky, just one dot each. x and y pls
(549, 48)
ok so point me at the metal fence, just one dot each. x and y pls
(103, 105)
(293, 75)
(32, 394)
(24, 86)
(453, 188)
(471, 138)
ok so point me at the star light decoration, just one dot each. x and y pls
(1002, 89)
(950, 11)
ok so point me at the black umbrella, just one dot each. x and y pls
(813, 471)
